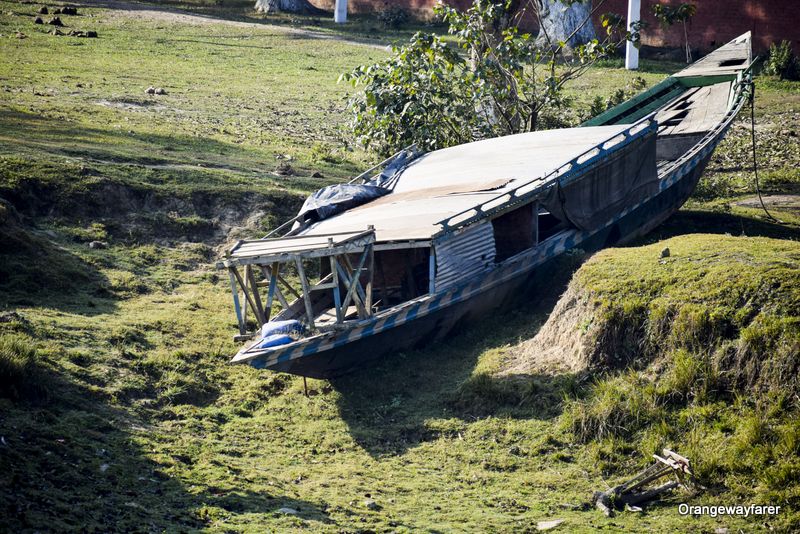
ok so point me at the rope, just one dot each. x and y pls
(752, 98)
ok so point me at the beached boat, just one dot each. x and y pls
(422, 242)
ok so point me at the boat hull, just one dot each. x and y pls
(498, 288)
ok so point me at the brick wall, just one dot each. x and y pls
(716, 21)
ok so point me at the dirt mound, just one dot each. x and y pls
(564, 344)
(133, 212)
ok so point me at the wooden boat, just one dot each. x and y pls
(442, 237)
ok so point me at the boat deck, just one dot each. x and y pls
(439, 184)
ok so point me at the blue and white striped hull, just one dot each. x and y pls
(431, 317)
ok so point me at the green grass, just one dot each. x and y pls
(122, 413)
(716, 333)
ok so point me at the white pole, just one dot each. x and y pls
(631, 52)
(340, 12)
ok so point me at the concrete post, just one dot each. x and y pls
(340, 12)
(631, 52)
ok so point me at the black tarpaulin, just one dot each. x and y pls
(618, 181)
(335, 199)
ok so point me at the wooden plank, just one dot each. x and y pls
(624, 110)
(236, 305)
(292, 290)
(306, 292)
(277, 290)
(370, 269)
(256, 296)
(359, 289)
(337, 298)
(351, 293)
(246, 293)
(402, 245)
(355, 285)
(271, 282)
(244, 304)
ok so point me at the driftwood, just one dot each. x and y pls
(631, 493)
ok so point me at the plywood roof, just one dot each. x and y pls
(445, 182)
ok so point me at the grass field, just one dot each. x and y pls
(117, 409)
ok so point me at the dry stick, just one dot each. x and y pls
(649, 494)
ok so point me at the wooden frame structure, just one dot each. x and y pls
(351, 256)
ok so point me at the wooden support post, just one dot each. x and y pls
(246, 293)
(273, 282)
(337, 297)
(274, 273)
(289, 287)
(370, 269)
(236, 306)
(306, 292)
(357, 274)
(259, 309)
(432, 271)
(354, 289)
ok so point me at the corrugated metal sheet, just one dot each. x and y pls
(464, 254)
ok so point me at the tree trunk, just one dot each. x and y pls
(559, 22)
(289, 6)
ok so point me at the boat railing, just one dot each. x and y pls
(370, 173)
(255, 271)
(562, 174)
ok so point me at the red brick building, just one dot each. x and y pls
(716, 21)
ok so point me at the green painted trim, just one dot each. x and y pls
(651, 107)
(622, 113)
(703, 81)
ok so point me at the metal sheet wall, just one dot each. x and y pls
(462, 255)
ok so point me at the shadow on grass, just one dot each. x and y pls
(189, 160)
(116, 146)
(711, 222)
(34, 271)
(360, 29)
(389, 407)
(212, 43)
(74, 464)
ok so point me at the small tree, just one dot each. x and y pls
(682, 13)
(494, 81)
